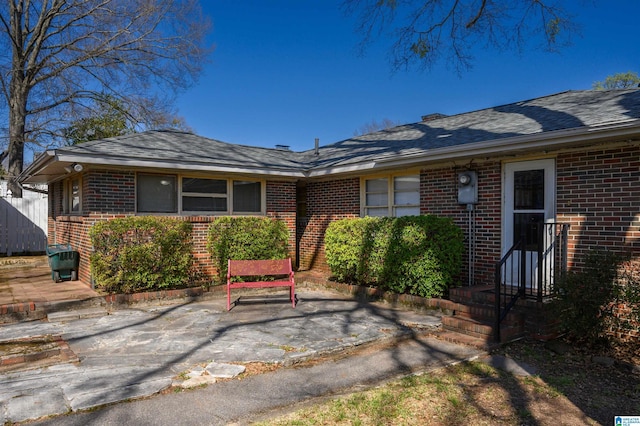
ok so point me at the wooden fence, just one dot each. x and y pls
(23, 225)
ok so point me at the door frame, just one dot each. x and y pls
(549, 167)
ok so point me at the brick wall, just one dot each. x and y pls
(599, 195)
(439, 196)
(281, 204)
(326, 201)
(111, 194)
(107, 191)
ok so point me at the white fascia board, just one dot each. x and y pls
(124, 162)
(327, 171)
(38, 165)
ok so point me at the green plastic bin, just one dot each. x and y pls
(64, 262)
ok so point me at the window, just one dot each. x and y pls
(247, 197)
(174, 194)
(156, 194)
(204, 195)
(73, 195)
(392, 196)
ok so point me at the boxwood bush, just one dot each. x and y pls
(141, 254)
(418, 255)
(246, 238)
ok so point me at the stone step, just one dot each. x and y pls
(18, 312)
(71, 315)
(34, 352)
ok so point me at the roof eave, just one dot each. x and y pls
(536, 142)
(38, 168)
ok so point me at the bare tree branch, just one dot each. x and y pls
(424, 32)
(65, 54)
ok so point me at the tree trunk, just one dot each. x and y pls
(17, 117)
(17, 101)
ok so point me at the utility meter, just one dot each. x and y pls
(468, 187)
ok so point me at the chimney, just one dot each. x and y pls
(434, 116)
(317, 146)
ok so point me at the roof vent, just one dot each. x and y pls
(434, 116)
(283, 147)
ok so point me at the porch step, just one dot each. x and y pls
(481, 295)
(473, 314)
(468, 326)
(464, 339)
(486, 314)
(481, 329)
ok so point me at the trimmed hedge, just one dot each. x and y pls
(135, 254)
(246, 238)
(418, 255)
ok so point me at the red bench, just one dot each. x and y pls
(262, 268)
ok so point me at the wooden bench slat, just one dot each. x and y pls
(260, 268)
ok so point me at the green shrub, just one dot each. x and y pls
(599, 303)
(246, 238)
(141, 254)
(343, 242)
(414, 254)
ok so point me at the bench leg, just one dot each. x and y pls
(228, 298)
(292, 293)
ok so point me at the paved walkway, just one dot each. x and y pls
(28, 279)
(140, 351)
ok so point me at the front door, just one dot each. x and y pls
(529, 203)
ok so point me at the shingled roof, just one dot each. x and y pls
(565, 118)
(537, 120)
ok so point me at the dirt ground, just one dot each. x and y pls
(600, 383)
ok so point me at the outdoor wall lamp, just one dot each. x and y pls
(75, 167)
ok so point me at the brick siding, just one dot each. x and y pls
(439, 196)
(599, 195)
(326, 201)
(111, 194)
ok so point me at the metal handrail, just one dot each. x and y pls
(549, 264)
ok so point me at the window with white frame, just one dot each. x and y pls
(392, 196)
(73, 195)
(157, 193)
(204, 195)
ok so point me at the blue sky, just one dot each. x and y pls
(287, 72)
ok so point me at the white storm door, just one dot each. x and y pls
(529, 202)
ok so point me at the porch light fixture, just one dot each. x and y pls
(75, 167)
